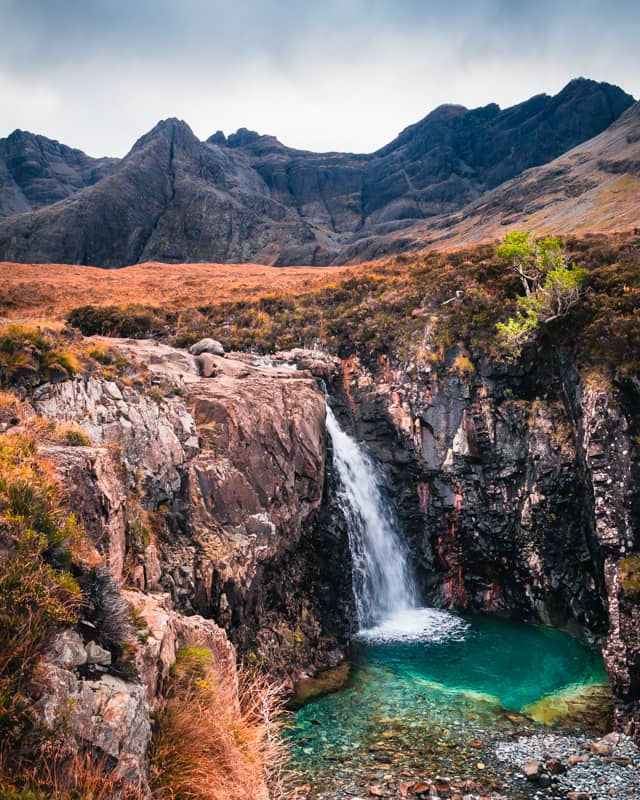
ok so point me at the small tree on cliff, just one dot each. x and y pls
(552, 286)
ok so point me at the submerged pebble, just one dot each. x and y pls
(443, 715)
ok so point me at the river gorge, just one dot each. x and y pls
(452, 554)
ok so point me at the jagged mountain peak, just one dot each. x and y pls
(39, 171)
(172, 130)
(248, 197)
(446, 111)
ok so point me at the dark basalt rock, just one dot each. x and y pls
(45, 171)
(519, 492)
(247, 197)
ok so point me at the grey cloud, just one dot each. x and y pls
(338, 74)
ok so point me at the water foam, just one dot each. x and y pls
(416, 625)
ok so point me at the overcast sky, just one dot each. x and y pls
(329, 75)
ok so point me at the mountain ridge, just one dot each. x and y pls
(248, 197)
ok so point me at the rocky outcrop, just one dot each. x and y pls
(149, 429)
(247, 197)
(516, 487)
(93, 482)
(89, 706)
(607, 448)
(211, 489)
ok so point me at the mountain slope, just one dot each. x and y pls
(46, 171)
(249, 198)
(593, 187)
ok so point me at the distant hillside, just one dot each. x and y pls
(247, 197)
(593, 187)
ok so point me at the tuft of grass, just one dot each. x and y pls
(50, 431)
(76, 437)
(463, 366)
(59, 772)
(10, 409)
(213, 741)
(192, 663)
(38, 594)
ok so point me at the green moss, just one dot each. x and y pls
(76, 438)
(192, 663)
(13, 793)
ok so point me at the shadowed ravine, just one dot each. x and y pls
(432, 692)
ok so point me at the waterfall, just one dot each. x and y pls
(383, 582)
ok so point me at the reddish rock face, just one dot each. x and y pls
(253, 495)
(96, 495)
(262, 443)
(217, 493)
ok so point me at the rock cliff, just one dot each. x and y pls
(517, 489)
(203, 500)
(211, 489)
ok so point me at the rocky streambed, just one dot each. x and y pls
(463, 711)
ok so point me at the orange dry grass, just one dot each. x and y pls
(51, 289)
(60, 772)
(214, 742)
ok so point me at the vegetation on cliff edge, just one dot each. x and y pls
(417, 307)
(215, 740)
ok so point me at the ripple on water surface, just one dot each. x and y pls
(431, 692)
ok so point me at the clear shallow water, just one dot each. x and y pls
(430, 694)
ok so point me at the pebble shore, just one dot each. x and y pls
(573, 768)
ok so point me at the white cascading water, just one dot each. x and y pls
(384, 586)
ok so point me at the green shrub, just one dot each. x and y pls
(133, 321)
(552, 287)
(34, 355)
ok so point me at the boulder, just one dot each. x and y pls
(601, 748)
(207, 346)
(207, 365)
(109, 714)
(97, 655)
(67, 650)
(532, 769)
